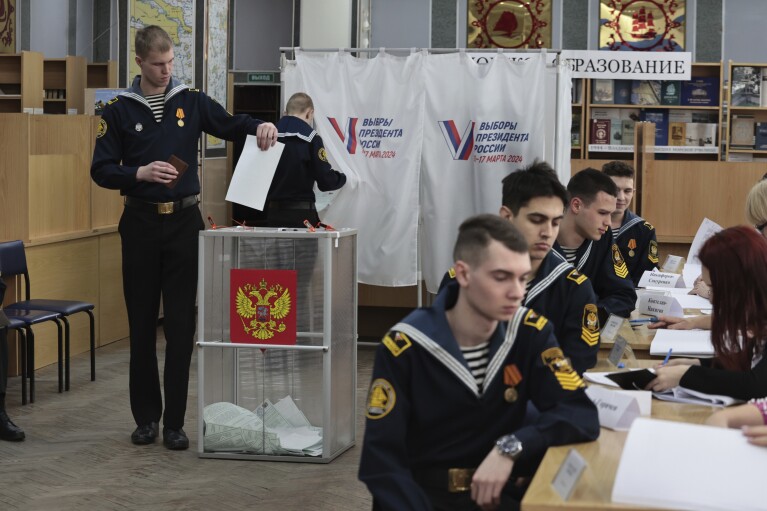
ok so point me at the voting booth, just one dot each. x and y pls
(277, 352)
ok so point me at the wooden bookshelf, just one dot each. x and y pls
(102, 75)
(64, 85)
(21, 81)
(745, 112)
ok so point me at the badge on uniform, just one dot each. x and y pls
(652, 253)
(322, 154)
(649, 226)
(451, 272)
(511, 377)
(563, 371)
(618, 263)
(139, 127)
(398, 343)
(632, 245)
(534, 320)
(381, 399)
(576, 277)
(180, 116)
(590, 328)
(101, 130)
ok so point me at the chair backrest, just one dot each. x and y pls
(13, 261)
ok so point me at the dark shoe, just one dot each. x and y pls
(8, 430)
(175, 439)
(146, 434)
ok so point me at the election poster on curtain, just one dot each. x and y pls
(441, 123)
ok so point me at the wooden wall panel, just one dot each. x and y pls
(14, 186)
(112, 316)
(59, 192)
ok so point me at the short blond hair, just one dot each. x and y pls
(299, 103)
(756, 204)
(152, 38)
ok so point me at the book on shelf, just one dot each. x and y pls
(700, 134)
(670, 92)
(679, 116)
(742, 131)
(627, 130)
(575, 131)
(576, 90)
(660, 119)
(677, 131)
(741, 157)
(622, 92)
(745, 85)
(645, 92)
(603, 92)
(700, 92)
(763, 96)
(600, 131)
(760, 136)
(616, 132)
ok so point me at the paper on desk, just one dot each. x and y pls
(662, 466)
(693, 302)
(689, 396)
(691, 272)
(684, 343)
(254, 173)
(707, 229)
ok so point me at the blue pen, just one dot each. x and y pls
(640, 321)
(668, 356)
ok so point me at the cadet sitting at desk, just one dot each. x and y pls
(451, 384)
(586, 241)
(534, 202)
(634, 236)
(735, 267)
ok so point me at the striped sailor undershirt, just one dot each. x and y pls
(156, 103)
(528, 286)
(569, 254)
(477, 357)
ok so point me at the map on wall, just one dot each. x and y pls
(216, 65)
(177, 18)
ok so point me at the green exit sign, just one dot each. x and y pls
(260, 77)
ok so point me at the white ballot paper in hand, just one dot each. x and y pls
(253, 174)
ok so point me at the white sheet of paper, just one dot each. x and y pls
(683, 343)
(690, 273)
(707, 229)
(692, 302)
(661, 467)
(254, 173)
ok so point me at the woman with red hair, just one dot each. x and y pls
(735, 268)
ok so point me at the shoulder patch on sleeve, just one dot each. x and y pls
(193, 90)
(619, 265)
(590, 327)
(113, 100)
(451, 272)
(563, 371)
(322, 154)
(649, 226)
(397, 342)
(381, 399)
(101, 130)
(534, 320)
(575, 276)
(652, 252)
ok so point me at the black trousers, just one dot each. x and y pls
(160, 259)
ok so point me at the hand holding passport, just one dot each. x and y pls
(180, 166)
(633, 380)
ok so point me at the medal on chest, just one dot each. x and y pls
(511, 378)
(180, 117)
(632, 245)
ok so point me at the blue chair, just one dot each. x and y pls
(13, 262)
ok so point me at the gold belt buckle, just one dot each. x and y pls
(459, 479)
(164, 208)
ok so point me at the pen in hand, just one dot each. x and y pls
(668, 356)
(640, 321)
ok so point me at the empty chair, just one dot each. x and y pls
(13, 261)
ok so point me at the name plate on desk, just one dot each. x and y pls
(617, 410)
(673, 264)
(653, 304)
(569, 473)
(661, 279)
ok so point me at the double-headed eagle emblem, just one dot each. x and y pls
(271, 305)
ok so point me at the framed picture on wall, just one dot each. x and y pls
(657, 25)
(7, 26)
(216, 44)
(509, 24)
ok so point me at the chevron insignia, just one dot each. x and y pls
(652, 253)
(590, 328)
(563, 371)
(618, 263)
(397, 342)
(576, 277)
(534, 320)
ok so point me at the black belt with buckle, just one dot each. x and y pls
(454, 480)
(161, 208)
(291, 204)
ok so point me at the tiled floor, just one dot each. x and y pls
(78, 455)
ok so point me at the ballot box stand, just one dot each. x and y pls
(317, 373)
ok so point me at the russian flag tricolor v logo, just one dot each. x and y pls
(460, 145)
(348, 135)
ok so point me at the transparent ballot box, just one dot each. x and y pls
(277, 351)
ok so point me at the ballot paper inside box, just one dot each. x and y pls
(293, 401)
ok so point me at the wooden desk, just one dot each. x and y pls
(594, 489)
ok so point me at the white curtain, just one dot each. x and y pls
(482, 122)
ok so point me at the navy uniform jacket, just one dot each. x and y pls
(565, 297)
(424, 410)
(129, 137)
(603, 263)
(636, 240)
(303, 162)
